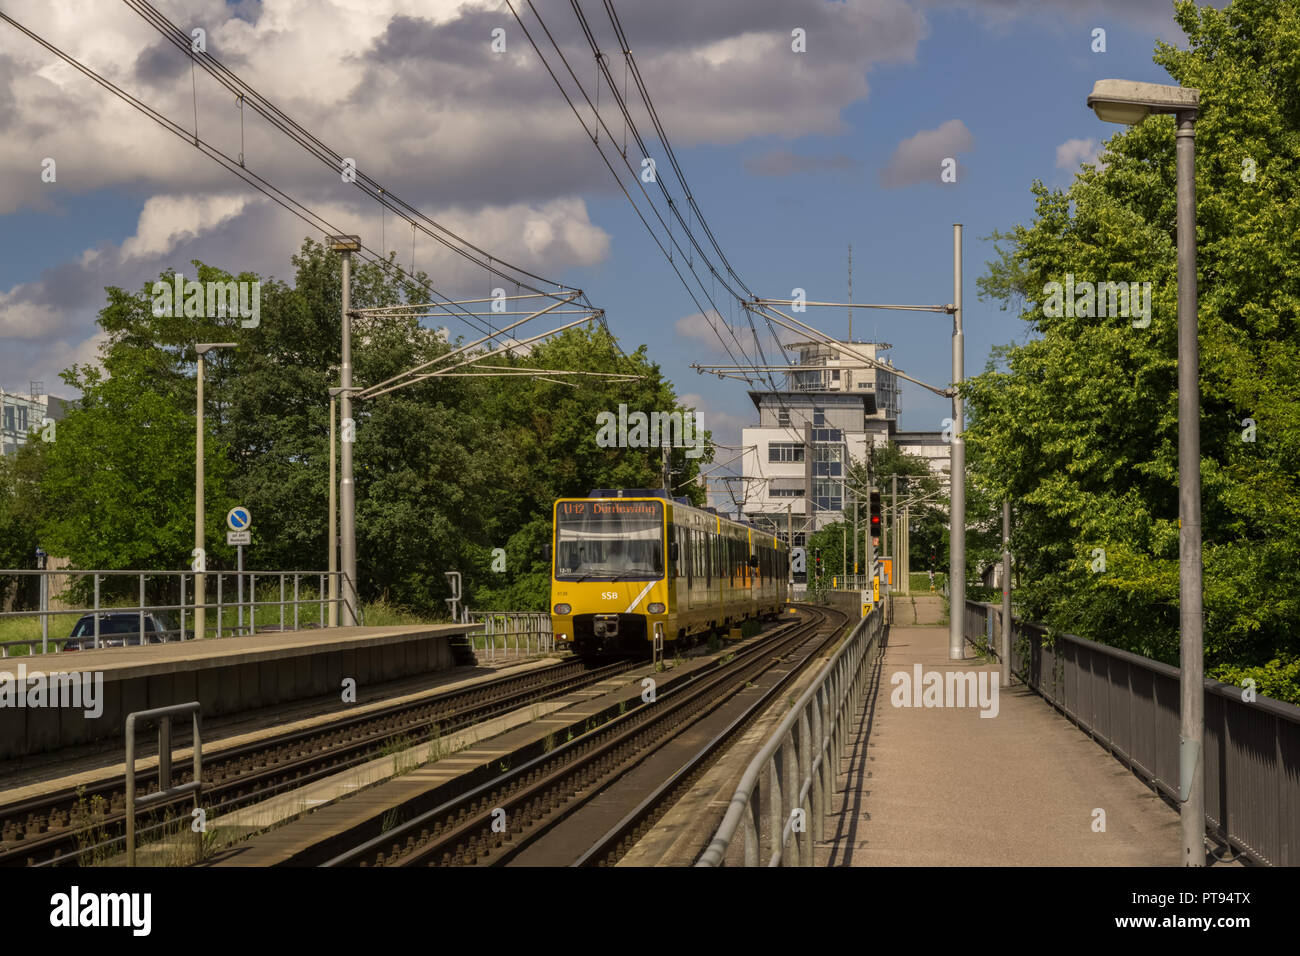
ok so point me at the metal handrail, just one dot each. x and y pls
(533, 626)
(165, 790)
(800, 764)
(1129, 704)
(184, 606)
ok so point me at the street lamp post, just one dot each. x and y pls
(957, 466)
(346, 245)
(333, 562)
(333, 612)
(1127, 102)
(200, 579)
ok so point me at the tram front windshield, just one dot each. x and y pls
(609, 541)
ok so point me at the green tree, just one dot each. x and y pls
(929, 518)
(117, 487)
(20, 511)
(1081, 427)
(447, 469)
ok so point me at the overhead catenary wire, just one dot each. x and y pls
(688, 235)
(262, 185)
(327, 155)
(692, 206)
(590, 133)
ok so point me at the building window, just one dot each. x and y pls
(783, 417)
(786, 493)
(827, 495)
(784, 451)
(9, 418)
(22, 418)
(819, 417)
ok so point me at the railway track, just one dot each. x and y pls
(75, 826)
(499, 821)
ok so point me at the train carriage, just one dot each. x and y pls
(627, 564)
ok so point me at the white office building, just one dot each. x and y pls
(832, 407)
(20, 412)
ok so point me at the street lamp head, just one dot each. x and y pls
(1129, 102)
(203, 348)
(344, 243)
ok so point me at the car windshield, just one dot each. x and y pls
(109, 624)
(609, 541)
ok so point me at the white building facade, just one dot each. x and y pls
(833, 407)
(20, 412)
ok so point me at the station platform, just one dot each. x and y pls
(943, 786)
(225, 675)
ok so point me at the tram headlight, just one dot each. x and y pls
(655, 608)
(561, 609)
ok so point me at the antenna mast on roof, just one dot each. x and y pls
(850, 292)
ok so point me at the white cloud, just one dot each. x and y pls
(917, 158)
(22, 318)
(483, 143)
(419, 101)
(1063, 15)
(166, 221)
(1075, 151)
(238, 233)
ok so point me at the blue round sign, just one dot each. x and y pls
(239, 518)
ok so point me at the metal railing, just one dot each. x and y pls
(855, 582)
(230, 606)
(518, 633)
(165, 790)
(1130, 705)
(784, 795)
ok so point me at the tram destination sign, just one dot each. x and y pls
(600, 508)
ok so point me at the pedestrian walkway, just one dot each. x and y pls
(944, 786)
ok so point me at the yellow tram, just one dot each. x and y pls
(612, 589)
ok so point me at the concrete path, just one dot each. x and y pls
(944, 786)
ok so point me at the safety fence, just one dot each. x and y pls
(517, 633)
(1130, 705)
(230, 604)
(781, 803)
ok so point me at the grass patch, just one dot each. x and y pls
(88, 819)
(919, 581)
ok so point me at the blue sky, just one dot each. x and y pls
(1014, 75)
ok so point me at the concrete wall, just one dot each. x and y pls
(228, 685)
